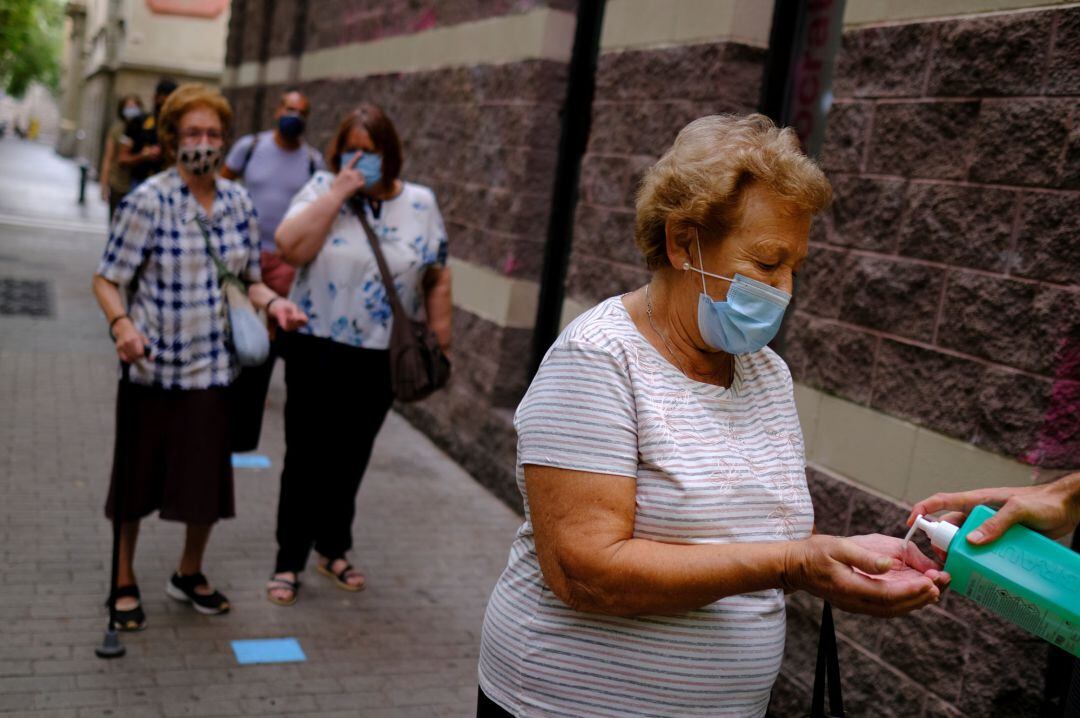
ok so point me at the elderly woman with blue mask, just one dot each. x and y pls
(337, 372)
(662, 469)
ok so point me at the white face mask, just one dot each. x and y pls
(200, 159)
(131, 112)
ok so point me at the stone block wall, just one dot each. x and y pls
(484, 137)
(941, 288)
(942, 284)
(643, 98)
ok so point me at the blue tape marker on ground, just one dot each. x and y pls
(268, 650)
(250, 461)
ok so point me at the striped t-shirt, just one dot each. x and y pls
(712, 465)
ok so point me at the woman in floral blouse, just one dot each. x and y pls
(337, 370)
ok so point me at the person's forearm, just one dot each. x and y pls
(126, 158)
(108, 298)
(106, 162)
(439, 305)
(301, 236)
(644, 577)
(261, 295)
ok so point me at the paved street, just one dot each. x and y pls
(430, 540)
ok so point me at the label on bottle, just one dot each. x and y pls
(1040, 622)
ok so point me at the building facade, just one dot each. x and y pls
(935, 338)
(119, 47)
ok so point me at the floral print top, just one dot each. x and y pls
(342, 291)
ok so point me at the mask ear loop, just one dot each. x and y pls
(697, 239)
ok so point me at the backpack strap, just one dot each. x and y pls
(249, 153)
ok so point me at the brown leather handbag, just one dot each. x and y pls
(418, 365)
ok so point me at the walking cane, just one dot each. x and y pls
(111, 647)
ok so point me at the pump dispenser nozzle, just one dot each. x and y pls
(941, 533)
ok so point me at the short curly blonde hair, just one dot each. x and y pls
(183, 100)
(699, 181)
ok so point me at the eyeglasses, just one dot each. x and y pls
(195, 134)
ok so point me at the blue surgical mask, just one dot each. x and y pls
(370, 166)
(746, 320)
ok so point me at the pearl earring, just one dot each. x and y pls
(685, 266)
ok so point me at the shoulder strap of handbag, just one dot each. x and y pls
(828, 666)
(224, 275)
(357, 206)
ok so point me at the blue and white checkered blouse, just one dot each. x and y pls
(157, 252)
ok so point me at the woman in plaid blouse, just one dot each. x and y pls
(172, 451)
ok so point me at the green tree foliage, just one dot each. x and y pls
(30, 37)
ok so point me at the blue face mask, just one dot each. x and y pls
(744, 322)
(370, 166)
(291, 126)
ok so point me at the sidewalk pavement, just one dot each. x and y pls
(430, 540)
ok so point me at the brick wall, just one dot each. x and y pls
(942, 288)
(343, 21)
(942, 284)
(643, 98)
(484, 138)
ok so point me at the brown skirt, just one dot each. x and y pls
(172, 455)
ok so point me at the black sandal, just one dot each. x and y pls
(133, 619)
(182, 588)
(341, 576)
(280, 584)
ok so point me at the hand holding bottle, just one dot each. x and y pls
(1052, 509)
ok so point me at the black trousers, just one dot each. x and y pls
(249, 400)
(337, 397)
(487, 708)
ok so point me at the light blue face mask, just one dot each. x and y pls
(744, 322)
(370, 166)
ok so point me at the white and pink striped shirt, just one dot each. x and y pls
(712, 465)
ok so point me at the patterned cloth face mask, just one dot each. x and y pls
(200, 159)
(744, 322)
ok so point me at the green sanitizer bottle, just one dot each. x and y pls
(1023, 576)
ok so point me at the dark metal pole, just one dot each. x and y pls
(796, 89)
(110, 646)
(574, 136)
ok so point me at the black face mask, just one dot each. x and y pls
(291, 126)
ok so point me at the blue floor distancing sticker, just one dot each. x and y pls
(250, 461)
(268, 650)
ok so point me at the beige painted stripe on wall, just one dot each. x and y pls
(635, 24)
(894, 457)
(541, 34)
(881, 12)
(491, 295)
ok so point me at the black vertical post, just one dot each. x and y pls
(796, 89)
(574, 136)
(299, 38)
(264, 55)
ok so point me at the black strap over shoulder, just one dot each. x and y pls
(249, 153)
(251, 150)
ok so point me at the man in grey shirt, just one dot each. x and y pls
(273, 165)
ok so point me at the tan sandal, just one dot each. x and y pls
(282, 584)
(341, 577)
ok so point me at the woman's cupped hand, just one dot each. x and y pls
(872, 574)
